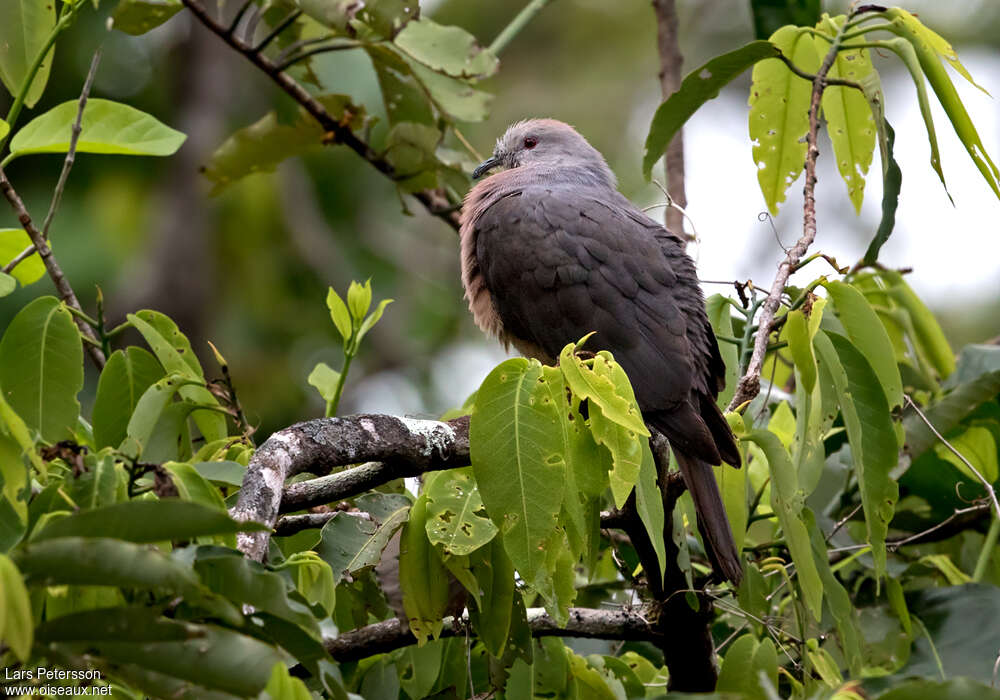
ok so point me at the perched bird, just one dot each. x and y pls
(552, 251)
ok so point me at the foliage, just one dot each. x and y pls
(117, 552)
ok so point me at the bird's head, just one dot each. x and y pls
(555, 146)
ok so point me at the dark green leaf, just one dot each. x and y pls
(147, 521)
(892, 183)
(41, 368)
(954, 689)
(423, 578)
(108, 127)
(351, 544)
(24, 27)
(701, 85)
(139, 16)
(492, 617)
(123, 381)
(410, 150)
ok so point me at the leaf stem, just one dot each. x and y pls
(517, 24)
(334, 403)
(988, 550)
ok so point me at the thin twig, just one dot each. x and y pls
(55, 272)
(278, 29)
(285, 65)
(749, 385)
(435, 200)
(73, 140)
(986, 484)
(238, 16)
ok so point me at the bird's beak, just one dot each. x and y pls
(485, 167)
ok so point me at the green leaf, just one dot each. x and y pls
(605, 386)
(928, 332)
(700, 85)
(13, 241)
(266, 143)
(779, 114)
(978, 446)
(359, 299)
(209, 656)
(282, 686)
(869, 336)
(350, 544)
(4, 128)
(12, 424)
(139, 16)
(373, 318)
(788, 502)
(870, 432)
(148, 411)
(41, 368)
(927, 47)
(325, 379)
(241, 580)
(124, 379)
(388, 17)
(422, 576)
(107, 127)
(453, 96)
(340, 315)
(649, 505)
(954, 689)
(7, 284)
(101, 484)
(518, 457)
(192, 486)
(410, 150)
(492, 614)
(456, 518)
(405, 98)
(146, 521)
(449, 50)
(892, 183)
(16, 624)
(745, 660)
(849, 119)
(25, 26)
(173, 350)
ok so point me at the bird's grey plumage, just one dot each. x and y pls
(552, 251)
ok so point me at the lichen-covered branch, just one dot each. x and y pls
(397, 446)
(382, 637)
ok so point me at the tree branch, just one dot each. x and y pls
(435, 200)
(55, 272)
(749, 385)
(396, 447)
(670, 80)
(387, 635)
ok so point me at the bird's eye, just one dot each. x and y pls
(530, 142)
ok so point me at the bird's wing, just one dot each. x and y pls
(562, 262)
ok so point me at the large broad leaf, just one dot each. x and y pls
(262, 146)
(207, 655)
(107, 127)
(24, 28)
(788, 501)
(779, 114)
(147, 521)
(870, 431)
(123, 381)
(448, 50)
(16, 624)
(649, 505)
(41, 368)
(745, 661)
(700, 85)
(869, 336)
(350, 544)
(139, 16)
(849, 119)
(241, 580)
(12, 242)
(456, 518)
(979, 447)
(518, 456)
(492, 615)
(422, 576)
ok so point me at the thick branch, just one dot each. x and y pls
(402, 446)
(435, 201)
(381, 637)
(749, 385)
(55, 272)
(670, 80)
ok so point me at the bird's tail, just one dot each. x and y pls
(712, 521)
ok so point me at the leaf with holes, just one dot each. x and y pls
(456, 518)
(350, 544)
(446, 49)
(779, 114)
